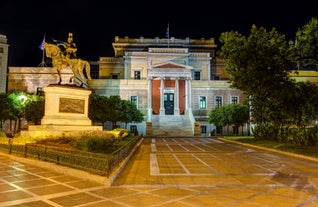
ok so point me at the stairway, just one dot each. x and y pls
(172, 126)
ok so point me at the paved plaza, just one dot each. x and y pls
(170, 172)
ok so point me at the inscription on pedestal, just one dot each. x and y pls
(69, 105)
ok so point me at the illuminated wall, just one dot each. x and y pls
(3, 63)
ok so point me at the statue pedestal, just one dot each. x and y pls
(66, 112)
(66, 105)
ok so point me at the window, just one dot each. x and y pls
(137, 75)
(134, 99)
(216, 77)
(203, 129)
(234, 99)
(95, 72)
(218, 101)
(202, 102)
(133, 129)
(197, 75)
(115, 75)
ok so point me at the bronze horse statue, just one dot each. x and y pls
(60, 61)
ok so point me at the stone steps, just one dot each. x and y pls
(172, 126)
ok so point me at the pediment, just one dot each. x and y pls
(170, 69)
(170, 65)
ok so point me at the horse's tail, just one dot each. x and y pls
(88, 70)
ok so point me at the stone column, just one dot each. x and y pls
(176, 97)
(162, 87)
(186, 95)
(209, 72)
(126, 70)
(189, 95)
(149, 106)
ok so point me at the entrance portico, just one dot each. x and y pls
(169, 89)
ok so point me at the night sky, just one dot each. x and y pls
(95, 23)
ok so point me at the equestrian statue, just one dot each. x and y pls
(63, 55)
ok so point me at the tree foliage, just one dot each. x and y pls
(4, 109)
(130, 113)
(113, 109)
(229, 114)
(258, 65)
(34, 110)
(306, 45)
(262, 56)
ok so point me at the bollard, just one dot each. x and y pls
(10, 136)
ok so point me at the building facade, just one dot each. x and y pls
(173, 82)
(167, 79)
(3, 63)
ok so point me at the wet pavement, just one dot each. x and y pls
(187, 172)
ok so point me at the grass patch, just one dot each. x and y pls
(311, 151)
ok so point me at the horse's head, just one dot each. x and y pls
(51, 50)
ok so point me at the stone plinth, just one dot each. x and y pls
(149, 131)
(197, 129)
(66, 113)
(66, 105)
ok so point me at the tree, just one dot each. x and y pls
(97, 108)
(257, 65)
(229, 114)
(17, 103)
(304, 107)
(113, 109)
(4, 109)
(217, 117)
(306, 45)
(34, 110)
(239, 114)
(131, 113)
(114, 112)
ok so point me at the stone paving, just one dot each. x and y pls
(168, 172)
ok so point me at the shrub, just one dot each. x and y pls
(95, 141)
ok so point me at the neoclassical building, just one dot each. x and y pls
(3, 62)
(173, 82)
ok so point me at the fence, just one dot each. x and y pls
(96, 163)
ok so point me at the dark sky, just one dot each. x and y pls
(95, 23)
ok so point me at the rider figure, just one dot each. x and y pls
(68, 48)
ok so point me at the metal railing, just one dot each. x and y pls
(96, 163)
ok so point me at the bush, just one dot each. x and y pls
(93, 144)
(89, 141)
(65, 142)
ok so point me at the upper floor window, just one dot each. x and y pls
(196, 75)
(137, 75)
(202, 102)
(218, 101)
(234, 99)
